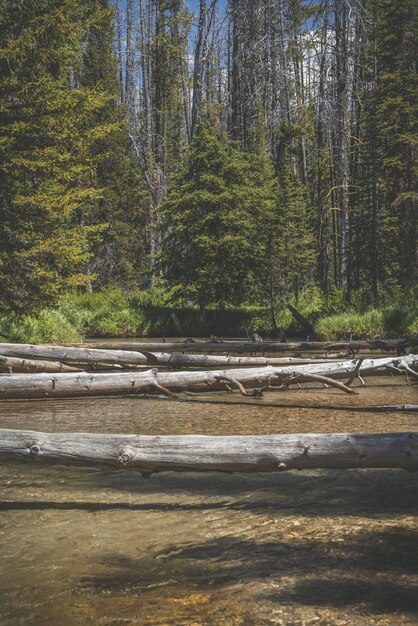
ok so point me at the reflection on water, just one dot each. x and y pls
(83, 546)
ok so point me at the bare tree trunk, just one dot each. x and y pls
(257, 453)
(85, 384)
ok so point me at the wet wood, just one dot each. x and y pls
(257, 453)
(245, 347)
(12, 364)
(86, 383)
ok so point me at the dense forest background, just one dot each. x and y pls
(222, 155)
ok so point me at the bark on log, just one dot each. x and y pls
(244, 347)
(11, 364)
(86, 383)
(258, 453)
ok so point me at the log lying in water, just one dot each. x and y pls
(83, 384)
(203, 360)
(257, 453)
(244, 347)
(124, 358)
(12, 364)
(74, 355)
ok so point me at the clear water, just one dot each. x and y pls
(84, 546)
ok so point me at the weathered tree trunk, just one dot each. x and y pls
(82, 384)
(124, 358)
(11, 364)
(203, 360)
(257, 453)
(75, 355)
(244, 347)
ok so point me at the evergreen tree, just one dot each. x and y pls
(49, 125)
(396, 97)
(295, 258)
(216, 221)
(121, 257)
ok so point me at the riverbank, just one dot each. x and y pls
(114, 313)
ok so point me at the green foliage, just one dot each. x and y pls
(120, 258)
(388, 210)
(105, 313)
(215, 222)
(48, 325)
(413, 327)
(371, 324)
(47, 180)
(294, 255)
(63, 143)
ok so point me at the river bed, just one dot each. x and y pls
(86, 546)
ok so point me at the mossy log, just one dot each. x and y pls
(256, 453)
(89, 383)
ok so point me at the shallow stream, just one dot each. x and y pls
(85, 546)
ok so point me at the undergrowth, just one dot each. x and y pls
(153, 313)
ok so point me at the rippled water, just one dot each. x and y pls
(84, 546)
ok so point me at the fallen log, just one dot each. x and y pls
(89, 383)
(244, 347)
(74, 354)
(11, 364)
(132, 358)
(257, 453)
(203, 360)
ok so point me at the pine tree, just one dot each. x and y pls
(397, 113)
(49, 125)
(216, 220)
(121, 256)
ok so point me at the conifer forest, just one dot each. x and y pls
(213, 154)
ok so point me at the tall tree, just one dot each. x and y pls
(49, 124)
(216, 221)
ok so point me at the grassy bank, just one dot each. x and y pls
(113, 313)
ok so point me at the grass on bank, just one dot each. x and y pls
(114, 313)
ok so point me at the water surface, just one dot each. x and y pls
(85, 546)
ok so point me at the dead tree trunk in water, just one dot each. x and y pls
(90, 384)
(257, 453)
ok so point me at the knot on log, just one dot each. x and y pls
(126, 457)
(34, 449)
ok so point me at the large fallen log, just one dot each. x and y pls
(89, 383)
(32, 352)
(257, 453)
(11, 364)
(74, 354)
(244, 347)
(177, 359)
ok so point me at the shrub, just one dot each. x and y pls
(49, 325)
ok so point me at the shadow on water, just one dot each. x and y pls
(322, 493)
(378, 596)
(334, 574)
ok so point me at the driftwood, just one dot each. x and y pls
(11, 364)
(73, 354)
(257, 453)
(244, 347)
(92, 356)
(203, 360)
(82, 384)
